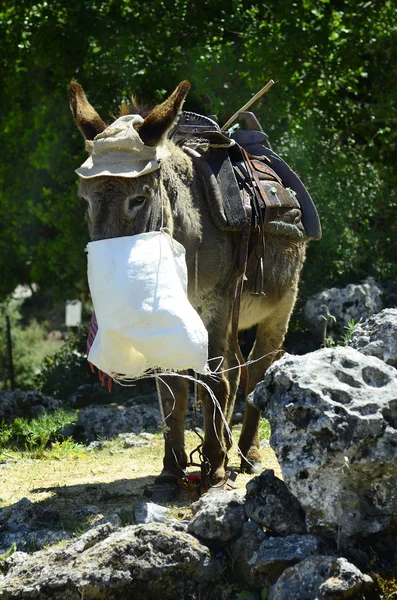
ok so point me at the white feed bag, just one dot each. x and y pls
(138, 286)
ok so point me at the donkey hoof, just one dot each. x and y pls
(251, 463)
(165, 489)
(217, 476)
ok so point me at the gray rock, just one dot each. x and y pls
(321, 577)
(146, 435)
(377, 336)
(271, 504)
(94, 446)
(149, 512)
(108, 421)
(333, 416)
(25, 404)
(113, 518)
(16, 559)
(220, 516)
(143, 561)
(259, 559)
(19, 514)
(26, 525)
(354, 302)
(32, 540)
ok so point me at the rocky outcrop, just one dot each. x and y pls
(333, 415)
(321, 577)
(219, 516)
(377, 336)
(354, 302)
(148, 562)
(109, 421)
(270, 503)
(29, 527)
(25, 404)
(259, 558)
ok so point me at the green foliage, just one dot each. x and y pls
(29, 347)
(34, 435)
(331, 114)
(264, 429)
(64, 371)
(349, 330)
(10, 552)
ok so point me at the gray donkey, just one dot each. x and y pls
(172, 196)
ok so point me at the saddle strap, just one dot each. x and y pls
(243, 258)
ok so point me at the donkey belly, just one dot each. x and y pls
(253, 309)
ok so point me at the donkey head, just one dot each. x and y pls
(121, 180)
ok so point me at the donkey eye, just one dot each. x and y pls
(137, 201)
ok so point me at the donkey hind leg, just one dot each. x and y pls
(174, 393)
(216, 439)
(268, 341)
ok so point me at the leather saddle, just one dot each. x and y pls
(237, 169)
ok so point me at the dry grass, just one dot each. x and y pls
(114, 477)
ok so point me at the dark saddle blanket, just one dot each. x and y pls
(238, 170)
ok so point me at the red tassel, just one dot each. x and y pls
(91, 367)
(110, 384)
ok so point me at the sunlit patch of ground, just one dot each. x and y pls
(114, 477)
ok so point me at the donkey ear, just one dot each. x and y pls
(162, 117)
(86, 117)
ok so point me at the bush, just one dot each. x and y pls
(35, 434)
(29, 347)
(63, 372)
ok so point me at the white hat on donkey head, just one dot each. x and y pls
(119, 152)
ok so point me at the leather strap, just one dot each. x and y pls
(245, 237)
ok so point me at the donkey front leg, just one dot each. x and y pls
(174, 393)
(215, 412)
(268, 342)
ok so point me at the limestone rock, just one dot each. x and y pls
(28, 526)
(25, 404)
(377, 336)
(149, 512)
(355, 301)
(333, 416)
(259, 559)
(143, 561)
(108, 421)
(271, 504)
(219, 517)
(321, 577)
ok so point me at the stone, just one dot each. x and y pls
(377, 336)
(321, 577)
(219, 516)
(27, 525)
(149, 562)
(149, 512)
(259, 558)
(94, 446)
(113, 518)
(353, 302)
(271, 504)
(98, 421)
(15, 404)
(333, 417)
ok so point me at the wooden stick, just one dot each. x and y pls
(249, 103)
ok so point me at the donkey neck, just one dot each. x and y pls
(182, 189)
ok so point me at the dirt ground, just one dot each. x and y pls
(112, 478)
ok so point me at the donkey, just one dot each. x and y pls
(172, 196)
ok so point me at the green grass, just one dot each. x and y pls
(35, 435)
(264, 429)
